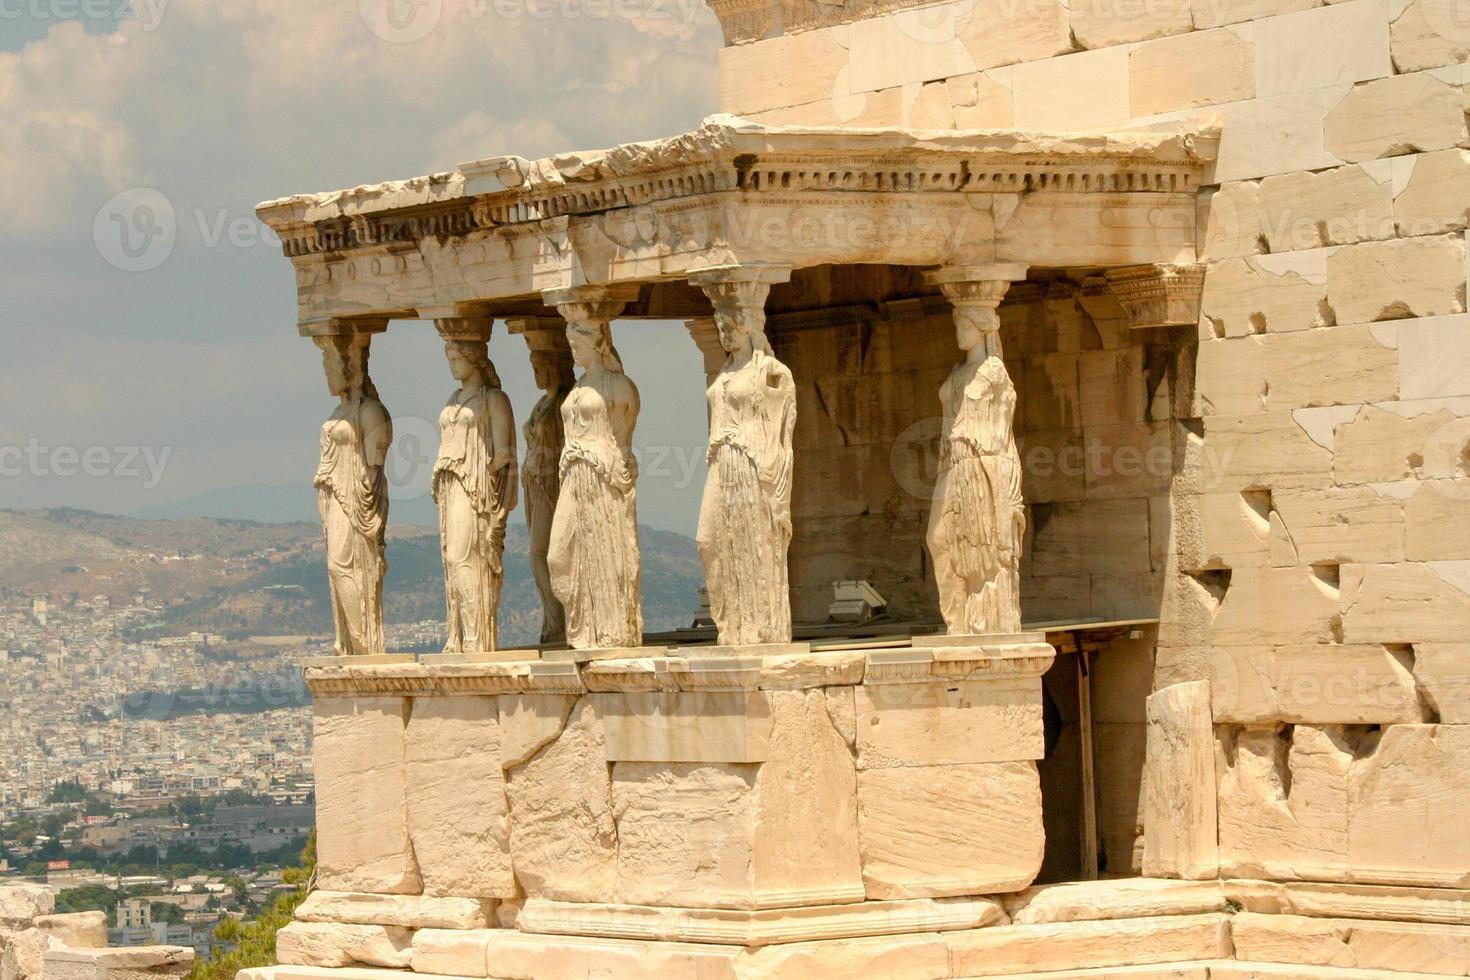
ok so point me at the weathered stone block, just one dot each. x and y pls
(337, 945)
(1312, 684)
(1334, 207)
(1191, 70)
(1268, 293)
(1081, 91)
(1406, 947)
(1436, 187)
(981, 100)
(1230, 376)
(1434, 359)
(1179, 815)
(1125, 898)
(1217, 13)
(948, 722)
(728, 835)
(1430, 33)
(756, 77)
(1230, 221)
(1392, 280)
(1418, 776)
(1102, 24)
(998, 34)
(1307, 369)
(451, 952)
(410, 911)
(695, 726)
(361, 792)
(457, 815)
(1283, 802)
(1335, 525)
(949, 830)
(79, 930)
(1405, 602)
(20, 902)
(1333, 802)
(1392, 116)
(1397, 441)
(1001, 951)
(563, 839)
(1291, 58)
(1291, 605)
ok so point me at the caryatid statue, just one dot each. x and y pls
(592, 556)
(551, 362)
(745, 517)
(474, 484)
(352, 492)
(978, 517)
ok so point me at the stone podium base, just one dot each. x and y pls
(1140, 929)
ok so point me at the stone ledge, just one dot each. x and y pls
(762, 927)
(929, 659)
(125, 958)
(1441, 906)
(1121, 899)
(410, 911)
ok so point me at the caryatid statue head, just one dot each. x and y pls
(977, 326)
(345, 364)
(590, 339)
(470, 364)
(740, 314)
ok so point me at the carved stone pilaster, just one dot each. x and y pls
(745, 518)
(1155, 296)
(978, 518)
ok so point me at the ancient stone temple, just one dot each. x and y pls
(1110, 361)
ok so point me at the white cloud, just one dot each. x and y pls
(220, 105)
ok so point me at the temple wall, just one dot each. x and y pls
(1307, 552)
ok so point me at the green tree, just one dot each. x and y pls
(254, 941)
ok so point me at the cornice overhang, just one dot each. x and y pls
(653, 210)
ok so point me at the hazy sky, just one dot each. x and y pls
(217, 105)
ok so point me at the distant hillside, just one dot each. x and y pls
(244, 577)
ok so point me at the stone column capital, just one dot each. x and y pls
(1157, 296)
(336, 326)
(977, 286)
(460, 321)
(976, 290)
(593, 302)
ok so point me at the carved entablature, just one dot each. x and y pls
(500, 231)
